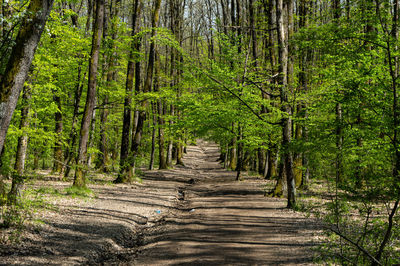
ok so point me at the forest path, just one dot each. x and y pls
(195, 214)
(220, 221)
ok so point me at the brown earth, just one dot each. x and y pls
(195, 214)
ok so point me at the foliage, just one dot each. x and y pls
(82, 192)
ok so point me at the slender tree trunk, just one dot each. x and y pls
(142, 111)
(80, 179)
(92, 135)
(233, 153)
(103, 160)
(161, 140)
(69, 151)
(239, 166)
(179, 153)
(89, 15)
(284, 11)
(169, 152)
(58, 152)
(153, 137)
(339, 130)
(154, 108)
(18, 179)
(136, 125)
(253, 31)
(261, 161)
(124, 164)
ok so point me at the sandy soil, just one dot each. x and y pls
(191, 215)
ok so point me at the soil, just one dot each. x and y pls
(196, 214)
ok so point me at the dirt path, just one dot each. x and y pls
(224, 222)
(192, 215)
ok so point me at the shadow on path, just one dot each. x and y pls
(225, 222)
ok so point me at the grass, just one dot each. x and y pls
(48, 190)
(81, 192)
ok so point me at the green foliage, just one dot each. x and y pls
(82, 192)
(48, 190)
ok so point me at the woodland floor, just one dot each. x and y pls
(195, 214)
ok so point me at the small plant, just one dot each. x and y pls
(82, 192)
(48, 190)
(13, 216)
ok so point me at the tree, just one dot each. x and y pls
(80, 179)
(20, 61)
(136, 141)
(135, 46)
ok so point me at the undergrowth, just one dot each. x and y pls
(353, 227)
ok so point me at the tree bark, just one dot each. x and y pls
(58, 152)
(135, 46)
(80, 179)
(282, 7)
(170, 142)
(18, 179)
(153, 137)
(69, 151)
(161, 139)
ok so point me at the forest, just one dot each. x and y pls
(301, 94)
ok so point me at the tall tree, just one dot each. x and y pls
(284, 18)
(80, 179)
(142, 111)
(135, 46)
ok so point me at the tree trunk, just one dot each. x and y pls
(80, 179)
(103, 160)
(169, 153)
(261, 161)
(92, 134)
(253, 31)
(142, 112)
(20, 61)
(233, 154)
(161, 140)
(339, 130)
(124, 165)
(69, 151)
(283, 8)
(22, 146)
(179, 152)
(153, 137)
(239, 166)
(89, 15)
(154, 109)
(58, 152)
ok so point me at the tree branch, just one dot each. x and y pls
(369, 255)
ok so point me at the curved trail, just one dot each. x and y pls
(219, 221)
